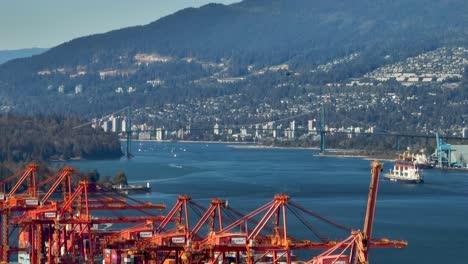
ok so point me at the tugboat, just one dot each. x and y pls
(405, 173)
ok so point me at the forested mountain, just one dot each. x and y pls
(196, 52)
(6, 55)
(27, 139)
(273, 31)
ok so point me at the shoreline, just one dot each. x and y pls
(332, 153)
(253, 146)
(186, 141)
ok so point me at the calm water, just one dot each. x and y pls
(432, 216)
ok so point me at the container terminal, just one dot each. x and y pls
(67, 219)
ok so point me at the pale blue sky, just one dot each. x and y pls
(47, 23)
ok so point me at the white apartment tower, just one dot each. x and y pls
(116, 124)
(159, 134)
(292, 125)
(310, 126)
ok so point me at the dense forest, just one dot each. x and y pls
(27, 139)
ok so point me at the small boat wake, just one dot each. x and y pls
(172, 165)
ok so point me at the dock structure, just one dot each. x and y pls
(449, 156)
(64, 218)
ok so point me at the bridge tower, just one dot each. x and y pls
(322, 130)
(128, 131)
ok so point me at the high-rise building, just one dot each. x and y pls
(116, 123)
(180, 133)
(124, 125)
(159, 133)
(106, 126)
(310, 126)
(292, 125)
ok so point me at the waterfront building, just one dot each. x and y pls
(180, 133)
(289, 133)
(106, 126)
(144, 136)
(159, 133)
(116, 123)
(143, 127)
(257, 131)
(243, 132)
(124, 125)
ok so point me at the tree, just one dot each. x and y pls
(106, 181)
(93, 176)
(120, 178)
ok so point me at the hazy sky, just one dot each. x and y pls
(47, 23)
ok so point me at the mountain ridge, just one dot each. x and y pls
(214, 42)
(196, 29)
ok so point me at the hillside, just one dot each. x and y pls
(219, 50)
(282, 28)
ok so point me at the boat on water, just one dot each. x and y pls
(132, 189)
(405, 173)
(420, 160)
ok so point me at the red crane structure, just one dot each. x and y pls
(66, 228)
(62, 230)
(10, 203)
(273, 243)
(252, 237)
(355, 248)
(173, 235)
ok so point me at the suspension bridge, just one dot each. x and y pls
(259, 130)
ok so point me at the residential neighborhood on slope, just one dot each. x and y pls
(435, 66)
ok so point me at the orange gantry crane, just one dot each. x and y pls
(61, 229)
(355, 248)
(174, 234)
(69, 228)
(78, 224)
(268, 239)
(11, 204)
